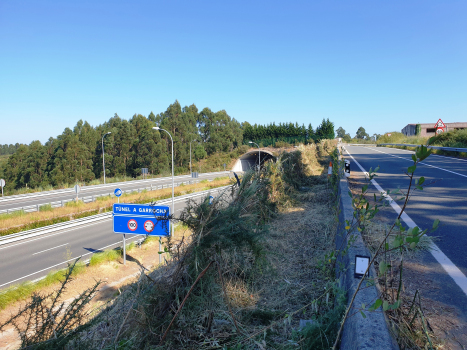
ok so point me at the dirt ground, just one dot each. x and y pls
(117, 276)
(447, 327)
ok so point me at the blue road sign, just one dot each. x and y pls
(141, 219)
(118, 192)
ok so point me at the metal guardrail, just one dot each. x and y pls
(89, 199)
(93, 187)
(89, 219)
(361, 144)
(450, 149)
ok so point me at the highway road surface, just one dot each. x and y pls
(33, 258)
(40, 198)
(445, 198)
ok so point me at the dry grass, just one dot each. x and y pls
(269, 300)
(8, 221)
(299, 239)
(113, 275)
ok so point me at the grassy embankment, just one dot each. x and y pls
(20, 221)
(457, 138)
(254, 266)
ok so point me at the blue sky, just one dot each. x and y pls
(374, 64)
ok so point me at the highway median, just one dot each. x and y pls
(20, 221)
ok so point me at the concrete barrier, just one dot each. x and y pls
(359, 333)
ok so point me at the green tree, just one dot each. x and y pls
(361, 134)
(199, 152)
(340, 132)
(325, 130)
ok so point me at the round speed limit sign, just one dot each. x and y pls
(149, 226)
(132, 225)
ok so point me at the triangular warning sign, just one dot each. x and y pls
(439, 124)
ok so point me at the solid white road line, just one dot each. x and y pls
(63, 262)
(218, 189)
(50, 249)
(100, 220)
(58, 233)
(410, 160)
(456, 274)
(451, 159)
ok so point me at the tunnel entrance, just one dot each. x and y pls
(251, 159)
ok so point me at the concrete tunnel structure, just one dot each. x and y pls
(251, 160)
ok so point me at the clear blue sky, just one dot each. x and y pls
(376, 64)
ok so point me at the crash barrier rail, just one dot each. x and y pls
(89, 199)
(91, 219)
(94, 187)
(450, 149)
(361, 144)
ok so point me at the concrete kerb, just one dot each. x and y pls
(359, 333)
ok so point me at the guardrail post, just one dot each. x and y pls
(37, 207)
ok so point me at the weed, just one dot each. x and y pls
(46, 207)
(105, 256)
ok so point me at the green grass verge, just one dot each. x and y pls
(105, 256)
(26, 289)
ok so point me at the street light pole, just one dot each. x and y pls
(103, 161)
(259, 157)
(171, 139)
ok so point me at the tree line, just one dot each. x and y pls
(361, 134)
(76, 154)
(288, 130)
(8, 149)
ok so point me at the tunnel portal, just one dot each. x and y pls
(251, 159)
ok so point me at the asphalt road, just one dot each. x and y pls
(444, 198)
(40, 198)
(33, 258)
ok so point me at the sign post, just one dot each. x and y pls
(2, 184)
(77, 189)
(144, 172)
(118, 192)
(138, 219)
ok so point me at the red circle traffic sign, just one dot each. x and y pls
(149, 226)
(132, 225)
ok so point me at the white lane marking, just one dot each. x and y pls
(58, 233)
(50, 267)
(64, 262)
(100, 221)
(456, 274)
(410, 160)
(50, 248)
(434, 155)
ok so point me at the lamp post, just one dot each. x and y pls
(259, 157)
(103, 161)
(171, 139)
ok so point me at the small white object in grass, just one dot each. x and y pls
(361, 265)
